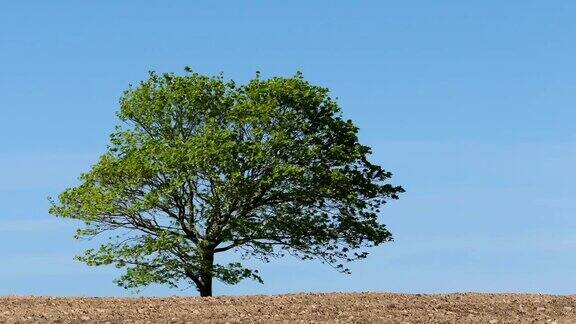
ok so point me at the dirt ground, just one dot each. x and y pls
(297, 308)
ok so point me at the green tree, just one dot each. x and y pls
(200, 165)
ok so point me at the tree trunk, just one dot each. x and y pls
(205, 288)
(202, 276)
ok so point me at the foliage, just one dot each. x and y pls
(201, 165)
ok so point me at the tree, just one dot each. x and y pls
(200, 166)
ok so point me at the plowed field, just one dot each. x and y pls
(297, 308)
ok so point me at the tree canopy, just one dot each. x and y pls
(200, 165)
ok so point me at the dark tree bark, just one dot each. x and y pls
(206, 273)
(206, 288)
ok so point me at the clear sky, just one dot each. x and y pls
(469, 104)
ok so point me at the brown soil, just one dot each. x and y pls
(300, 308)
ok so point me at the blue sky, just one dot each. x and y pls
(469, 104)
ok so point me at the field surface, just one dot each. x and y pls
(297, 308)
